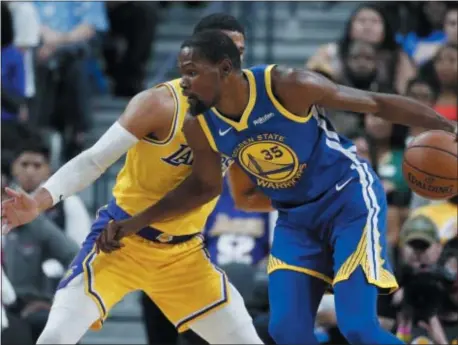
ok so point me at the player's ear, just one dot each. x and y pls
(225, 68)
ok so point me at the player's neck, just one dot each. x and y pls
(235, 96)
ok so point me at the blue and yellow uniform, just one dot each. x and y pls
(236, 236)
(332, 207)
(167, 259)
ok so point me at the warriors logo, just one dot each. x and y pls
(273, 163)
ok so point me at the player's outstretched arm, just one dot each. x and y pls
(244, 192)
(81, 171)
(305, 88)
(201, 186)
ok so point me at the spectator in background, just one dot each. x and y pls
(362, 145)
(26, 38)
(359, 70)
(446, 70)
(386, 144)
(344, 122)
(13, 73)
(24, 255)
(25, 252)
(14, 330)
(419, 249)
(69, 35)
(368, 23)
(448, 315)
(422, 43)
(443, 216)
(132, 31)
(429, 308)
(30, 169)
(422, 91)
(451, 24)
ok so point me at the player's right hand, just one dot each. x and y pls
(20, 209)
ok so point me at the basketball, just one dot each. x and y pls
(430, 165)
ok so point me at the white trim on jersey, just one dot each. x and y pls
(367, 180)
(273, 216)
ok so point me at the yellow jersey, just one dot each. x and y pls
(444, 217)
(155, 167)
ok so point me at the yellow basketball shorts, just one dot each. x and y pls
(179, 278)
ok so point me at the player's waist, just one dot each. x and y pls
(149, 233)
(318, 185)
(305, 192)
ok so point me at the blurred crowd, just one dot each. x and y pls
(53, 57)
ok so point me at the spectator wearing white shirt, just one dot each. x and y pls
(26, 25)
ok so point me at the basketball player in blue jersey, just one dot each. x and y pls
(331, 227)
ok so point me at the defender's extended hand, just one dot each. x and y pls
(19, 210)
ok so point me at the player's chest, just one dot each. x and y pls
(272, 140)
(273, 153)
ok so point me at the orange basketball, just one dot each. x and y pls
(430, 165)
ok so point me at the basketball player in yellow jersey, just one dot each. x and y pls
(167, 259)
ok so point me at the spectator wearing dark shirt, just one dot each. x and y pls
(132, 31)
(69, 36)
(13, 74)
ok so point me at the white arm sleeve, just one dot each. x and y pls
(87, 167)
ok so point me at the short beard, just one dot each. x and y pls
(197, 107)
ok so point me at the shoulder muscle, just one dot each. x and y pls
(148, 111)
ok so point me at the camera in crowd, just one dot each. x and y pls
(426, 281)
(425, 290)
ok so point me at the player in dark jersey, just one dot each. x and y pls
(332, 206)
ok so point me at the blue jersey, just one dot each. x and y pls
(293, 159)
(332, 207)
(233, 235)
